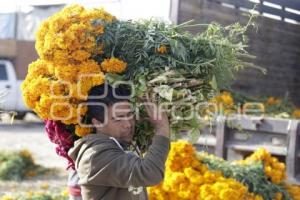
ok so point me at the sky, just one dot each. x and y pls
(124, 9)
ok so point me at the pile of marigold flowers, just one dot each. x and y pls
(190, 175)
(274, 169)
(186, 177)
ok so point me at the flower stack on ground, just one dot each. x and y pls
(275, 171)
(188, 178)
(262, 173)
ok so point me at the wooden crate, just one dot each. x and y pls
(236, 139)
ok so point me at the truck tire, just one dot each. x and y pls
(20, 115)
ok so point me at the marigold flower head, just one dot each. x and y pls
(273, 101)
(296, 114)
(82, 131)
(162, 49)
(113, 65)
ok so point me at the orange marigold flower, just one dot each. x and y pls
(113, 65)
(82, 131)
(273, 101)
(30, 173)
(296, 114)
(162, 49)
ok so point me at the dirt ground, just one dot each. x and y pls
(31, 136)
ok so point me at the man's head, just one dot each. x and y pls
(110, 112)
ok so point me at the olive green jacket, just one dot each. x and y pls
(108, 172)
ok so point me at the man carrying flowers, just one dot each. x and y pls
(107, 170)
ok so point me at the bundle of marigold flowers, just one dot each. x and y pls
(80, 48)
(59, 81)
(57, 84)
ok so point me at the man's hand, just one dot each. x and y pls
(158, 118)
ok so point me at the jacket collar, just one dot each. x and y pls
(124, 144)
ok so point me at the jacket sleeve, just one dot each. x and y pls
(116, 168)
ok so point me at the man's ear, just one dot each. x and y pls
(98, 124)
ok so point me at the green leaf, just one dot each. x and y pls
(113, 78)
(214, 83)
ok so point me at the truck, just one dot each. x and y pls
(15, 56)
(10, 88)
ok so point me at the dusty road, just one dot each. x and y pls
(32, 136)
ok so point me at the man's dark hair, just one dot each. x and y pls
(107, 95)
